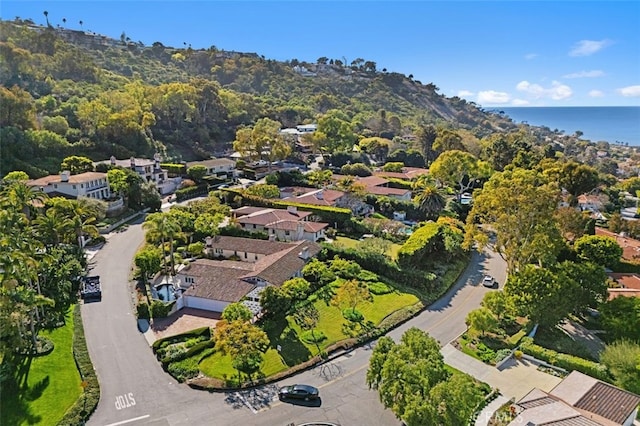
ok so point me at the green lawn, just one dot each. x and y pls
(351, 243)
(285, 333)
(48, 385)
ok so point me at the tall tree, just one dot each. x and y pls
(459, 170)
(244, 342)
(406, 376)
(351, 293)
(162, 228)
(599, 249)
(77, 164)
(518, 206)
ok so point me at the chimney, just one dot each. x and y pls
(113, 160)
(292, 210)
(272, 237)
(300, 229)
(133, 163)
(319, 195)
(64, 176)
(156, 160)
(208, 242)
(304, 254)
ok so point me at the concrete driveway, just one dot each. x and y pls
(514, 379)
(185, 319)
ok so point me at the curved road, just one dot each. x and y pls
(136, 391)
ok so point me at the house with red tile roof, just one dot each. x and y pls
(578, 400)
(377, 185)
(282, 225)
(630, 246)
(628, 285)
(407, 173)
(242, 268)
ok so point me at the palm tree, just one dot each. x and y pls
(23, 197)
(46, 15)
(51, 226)
(428, 197)
(64, 21)
(81, 24)
(161, 227)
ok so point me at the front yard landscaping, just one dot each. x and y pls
(44, 387)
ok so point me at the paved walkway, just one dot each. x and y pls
(514, 379)
(487, 412)
(185, 319)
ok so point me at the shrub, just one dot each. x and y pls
(422, 242)
(184, 369)
(365, 275)
(378, 288)
(352, 315)
(160, 309)
(143, 311)
(502, 354)
(568, 362)
(182, 353)
(202, 332)
(87, 403)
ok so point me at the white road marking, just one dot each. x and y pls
(129, 421)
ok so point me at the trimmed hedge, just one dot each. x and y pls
(176, 338)
(566, 361)
(424, 240)
(85, 405)
(197, 348)
(379, 288)
(191, 192)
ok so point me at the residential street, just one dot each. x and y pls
(135, 390)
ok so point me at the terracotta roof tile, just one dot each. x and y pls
(609, 402)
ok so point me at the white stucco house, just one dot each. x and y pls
(148, 170)
(240, 269)
(88, 184)
(224, 168)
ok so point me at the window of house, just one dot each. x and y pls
(82, 185)
(73, 186)
(245, 254)
(254, 226)
(286, 233)
(256, 256)
(218, 251)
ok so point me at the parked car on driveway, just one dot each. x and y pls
(305, 392)
(489, 281)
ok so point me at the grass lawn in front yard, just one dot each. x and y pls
(52, 383)
(351, 243)
(286, 333)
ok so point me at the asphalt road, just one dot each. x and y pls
(136, 391)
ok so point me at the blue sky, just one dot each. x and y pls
(500, 53)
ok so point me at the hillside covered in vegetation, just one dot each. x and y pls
(68, 92)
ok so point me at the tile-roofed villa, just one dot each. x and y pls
(213, 284)
(282, 224)
(578, 400)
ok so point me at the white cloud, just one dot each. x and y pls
(588, 47)
(492, 97)
(585, 74)
(464, 94)
(557, 91)
(519, 102)
(530, 56)
(596, 94)
(630, 91)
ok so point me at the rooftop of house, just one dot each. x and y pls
(248, 245)
(126, 163)
(321, 197)
(72, 179)
(268, 216)
(212, 162)
(228, 280)
(630, 246)
(578, 400)
(407, 173)
(292, 225)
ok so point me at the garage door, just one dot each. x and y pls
(206, 304)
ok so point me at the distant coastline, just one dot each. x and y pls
(615, 124)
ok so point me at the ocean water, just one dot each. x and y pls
(610, 124)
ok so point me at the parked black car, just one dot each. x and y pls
(305, 392)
